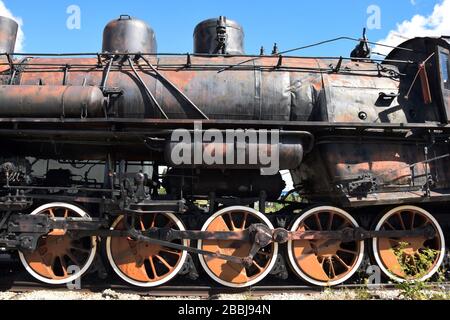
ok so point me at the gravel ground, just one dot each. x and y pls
(79, 295)
(326, 295)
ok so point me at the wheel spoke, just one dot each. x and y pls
(143, 264)
(331, 267)
(152, 225)
(164, 262)
(341, 262)
(81, 249)
(389, 225)
(318, 223)
(152, 266)
(344, 225)
(233, 227)
(74, 259)
(257, 265)
(63, 265)
(413, 216)
(325, 262)
(330, 221)
(54, 254)
(141, 223)
(229, 273)
(348, 251)
(391, 255)
(244, 221)
(423, 225)
(178, 253)
(305, 226)
(400, 218)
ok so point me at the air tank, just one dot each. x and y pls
(129, 35)
(51, 101)
(8, 34)
(219, 36)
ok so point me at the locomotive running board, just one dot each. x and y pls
(114, 125)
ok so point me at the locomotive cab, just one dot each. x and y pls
(424, 87)
(444, 73)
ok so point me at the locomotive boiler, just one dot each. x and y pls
(91, 172)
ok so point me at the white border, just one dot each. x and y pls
(262, 275)
(293, 261)
(124, 277)
(436, 225)
(76, 275)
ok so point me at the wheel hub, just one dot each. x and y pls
(326, 248)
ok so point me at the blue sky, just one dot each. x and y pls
(290, 23)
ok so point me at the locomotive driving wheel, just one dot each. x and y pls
(141, 263)
(409, 258)
(325, 262)
(59, 258)
(228, 273)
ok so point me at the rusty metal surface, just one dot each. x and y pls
(225, 271)
(51, 100)
(353, 132)
(244, 91)
(254, 91)
(207, 32)
(128, 34)
(392, 250)
(413, 103)
(240, 155)
(8, 35)
(324, 260)
(141, 261)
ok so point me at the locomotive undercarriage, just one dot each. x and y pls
(231, 250)
(150, 236)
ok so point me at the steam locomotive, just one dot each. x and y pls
(89, 180)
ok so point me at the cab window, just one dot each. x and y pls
(445, 69)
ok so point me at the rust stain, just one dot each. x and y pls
(180, 78)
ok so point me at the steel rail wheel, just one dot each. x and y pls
(228, 273)
(141, 263)
(409, 258)
(57, 252)
(325, 262)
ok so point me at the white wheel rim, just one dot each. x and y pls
(293, 260)
(89, 261)
(435, 225)
(169, 277)
(262, 275)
